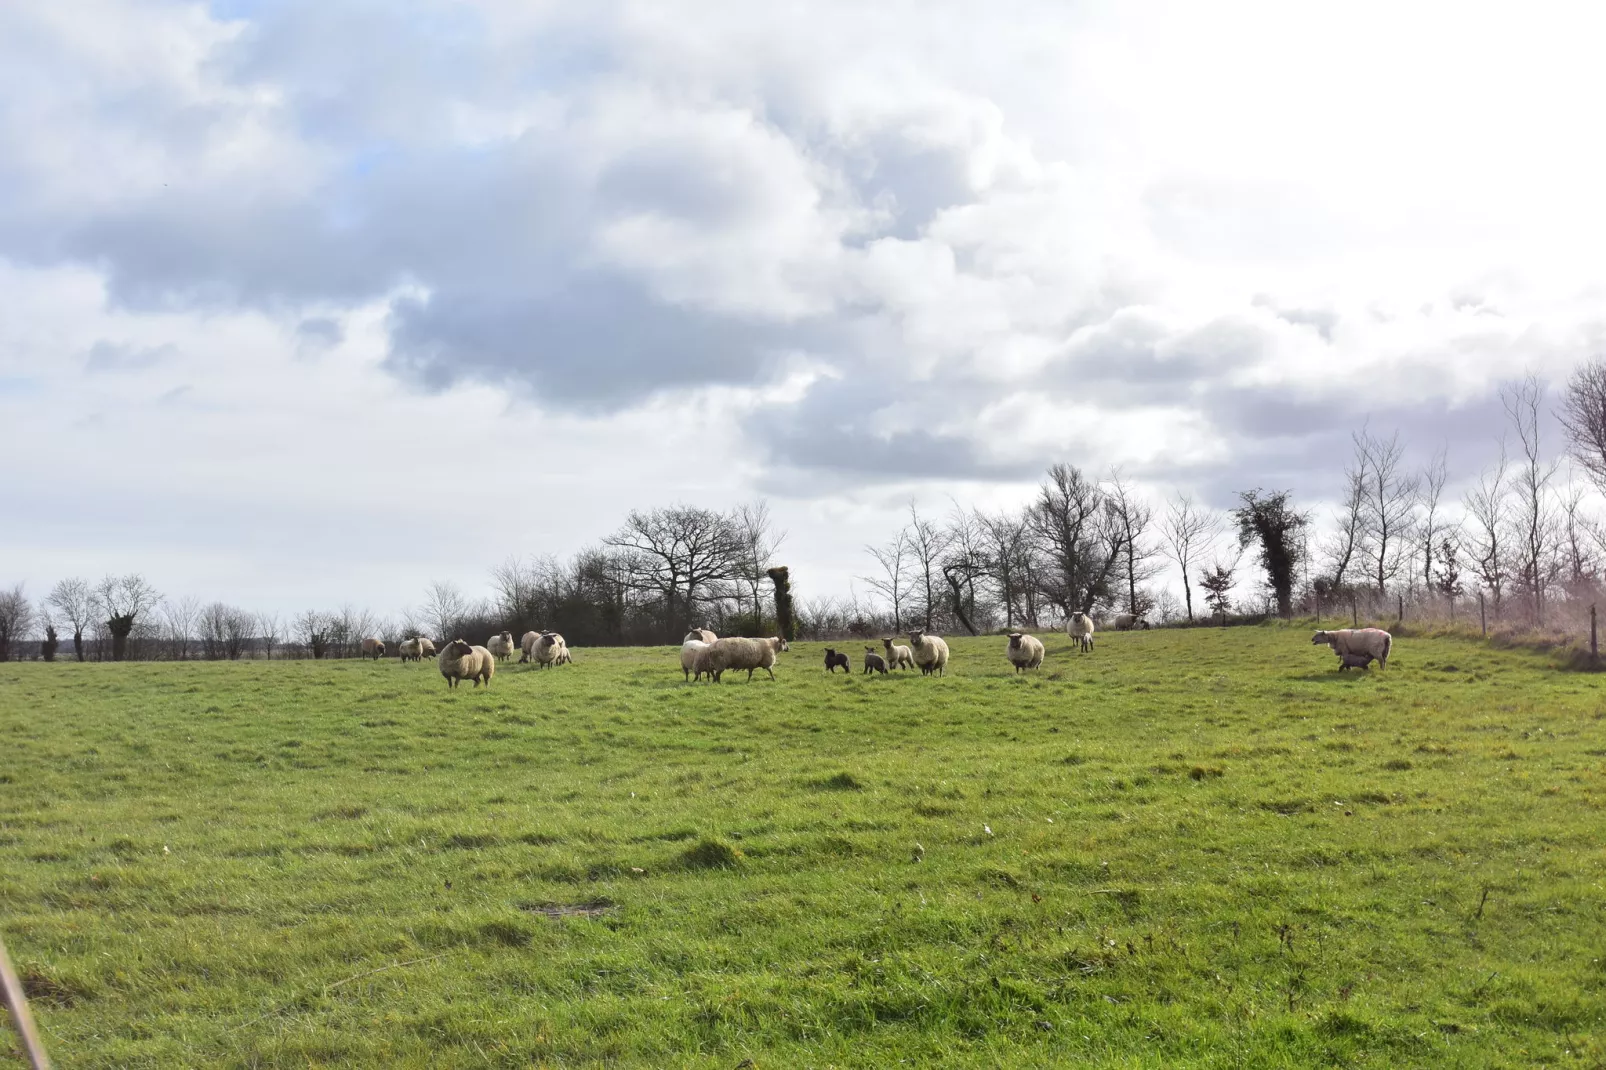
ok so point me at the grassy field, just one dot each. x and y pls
(1194, 848)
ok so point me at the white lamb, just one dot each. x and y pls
(1025, 651)
(1358, 642)
(930, 653)
(1080, 628)
(898, 656)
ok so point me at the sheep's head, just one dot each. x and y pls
(779, 644)
(886, 641)
(1014, 640)
(457, 648)
(917, 637)
(830, 653)
(1321, 637)
(507, 636)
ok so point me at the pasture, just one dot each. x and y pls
(1198, 848)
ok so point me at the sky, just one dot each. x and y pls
(304, 303)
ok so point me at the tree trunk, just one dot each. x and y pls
(78, 642)
(1187, 593)
(959, 602)
(120, 627)
(47, 649)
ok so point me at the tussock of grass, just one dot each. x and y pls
(1192, 848)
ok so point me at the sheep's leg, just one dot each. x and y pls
(770, 671)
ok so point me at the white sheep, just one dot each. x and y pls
(1126, 622)
(1358, 641)
(549, 650)
(426, 649)
(735, 653)
(501, 646)
(373, 648)
(1025, 651)
(702, 635)
(689, 651)
(930, 653)
(459, 662)
(526, 643)
(1080, 628)
(898, 656)
(408, 648)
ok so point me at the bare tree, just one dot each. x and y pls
(225, 631)
(676, 555)
(757, 540)
(45, 620)
(122, 601)
(1189, 531)
(1388, 504)
(1488, 507)
(1073, 527)
(16, 619)
(964, 562)
(312, 631)
(268, 628)
(1431, 527)
(1534, 511)
(1008, 552)
(180, 617)
(893, 583)
(444, 609)
(1133, 517)
(74, 600)
(518, 587)
(927, 542)
(1583, 416)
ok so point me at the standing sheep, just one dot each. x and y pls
(702, 635)
(549, 650)
(930, 653)
(408, 649)
(1080, 628)
(459, 662)
(898, 656)
(1126, 622)
(526, 643)
(874, 662)
(1025, 651)
(733, 653)
(1355, 661)
(689, 652)
(373, 648)
(501, 646)
(1373, 641)
(833, 660)
(426, 648)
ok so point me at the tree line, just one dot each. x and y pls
(1522, 536)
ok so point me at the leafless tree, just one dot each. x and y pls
(893, 583)
(74, 600)
(312, 631)
(268, 629)
(180, 618)
(518, 586)
(1431, 526)
(1388, 505)
(1073, 527)
(16, 620)
(45, 621)
(1349, 535)
(1579, 542)
(444, 608)
(1583, 416)
(1133, 517)
(676, 555)
(1189, 531)
(757, 540)
(1488, 507)
(1534, 510)
(964, 563)
(1008, 556)
(927, 542)
(122, 601)
(225, 630)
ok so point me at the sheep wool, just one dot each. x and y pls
(1025, 651)
(1080, 628)
(689, 651)
(373, 648)
(408, 648)
(930, 652)
(1373, 641)
(526, 643)
(702, 635)
(874, 662)
(549, 650)
(898, 656)
(734, 653)
(459, 662)
(500, 645)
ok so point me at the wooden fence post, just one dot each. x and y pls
(1354, 613)
(1594, 641)
(1483, 618)
(17, 1004)
(1401, 617)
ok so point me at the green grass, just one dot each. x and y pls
(1206, 848)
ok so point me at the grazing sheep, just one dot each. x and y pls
(1373, 641)
(1080, 628)
(689, 651)
(930, 653)
(459, 662)
(526, 643)
(549, 650)
(1126, 622)
(501, 646)
(898, 657)
(702, 635)
(1355, 661)
(373, 648)
(1025, 651)
(733, 653)
(408, 649)
(874, 662)
(833, 660)
(426, 648)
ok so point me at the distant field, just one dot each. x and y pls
(1197, 848)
